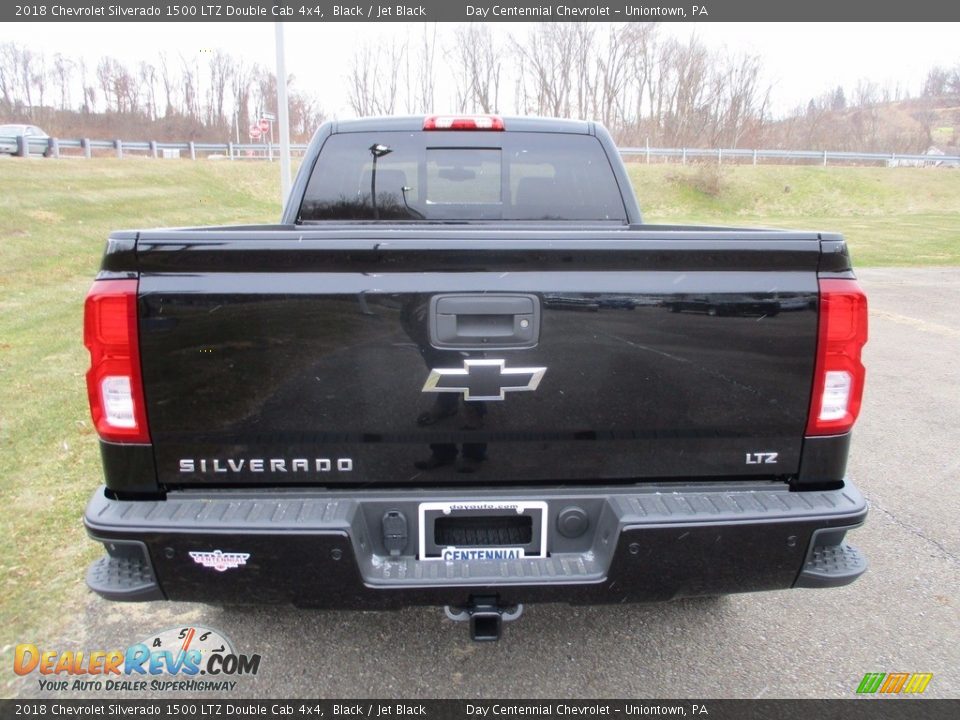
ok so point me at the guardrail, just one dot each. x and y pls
(54, 147)
(21, 146)
(819, 156)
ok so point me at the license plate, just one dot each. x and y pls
(478, 513)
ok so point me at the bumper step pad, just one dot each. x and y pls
(832, 566)
(125, 575)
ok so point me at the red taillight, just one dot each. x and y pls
(839, 375)
(113, 380)
(463, 122)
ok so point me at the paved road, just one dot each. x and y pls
(903, 615)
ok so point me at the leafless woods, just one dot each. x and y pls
(647, 85)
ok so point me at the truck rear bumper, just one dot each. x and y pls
(327, 548)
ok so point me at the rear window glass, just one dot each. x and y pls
(463, 176)
(395, 176)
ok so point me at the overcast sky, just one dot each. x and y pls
(802, 60)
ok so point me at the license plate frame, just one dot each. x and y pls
(427, 511)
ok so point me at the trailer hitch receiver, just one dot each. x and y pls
(486, 616)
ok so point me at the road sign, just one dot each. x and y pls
(264, 125)
(269, 116)
(255, 132)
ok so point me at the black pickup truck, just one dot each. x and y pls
(461, 371)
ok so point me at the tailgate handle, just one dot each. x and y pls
(484, 321)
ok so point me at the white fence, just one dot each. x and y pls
(57, 147)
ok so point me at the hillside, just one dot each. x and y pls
(901, 216)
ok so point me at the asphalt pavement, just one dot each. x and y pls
(903, 615)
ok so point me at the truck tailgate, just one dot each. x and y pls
(305, 356)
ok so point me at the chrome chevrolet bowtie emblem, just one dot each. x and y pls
(483, 379)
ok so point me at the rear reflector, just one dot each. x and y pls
(839, 375)
(114, 386)
(463, 122)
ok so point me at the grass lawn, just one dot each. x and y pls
(889, 216)
(55, 216)
(54, 219)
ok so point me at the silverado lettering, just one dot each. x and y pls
(222, 465)
(461, 370)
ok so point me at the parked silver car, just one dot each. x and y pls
(9, 134)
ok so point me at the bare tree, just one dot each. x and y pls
(425, 84)
(393, 56)
(39, 74)
(25, 74)
(866, 93)
(942, 81)
(63, 69)
(741, 101)
(221, 72)
(305, 115)
(148, 88)
(838, 100)
(546, 58)
(9, 73)
(622, 74)
(477, 62)
(107, 86)
(190, 88)
(121, 90)
(362, 80)
(640, 60)
(583, 47)
(936, 83)
(88, 90)
(374, 78)
(243, 76)
(169, 87)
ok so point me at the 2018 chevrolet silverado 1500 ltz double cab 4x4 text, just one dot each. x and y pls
(462, 372)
